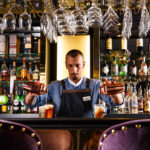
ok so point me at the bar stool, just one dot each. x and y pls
(130, 135)
(16, 136)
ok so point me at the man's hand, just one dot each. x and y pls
(30, 98)
(109, 88)
(114, 90)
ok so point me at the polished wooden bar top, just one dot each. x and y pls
(34, 121)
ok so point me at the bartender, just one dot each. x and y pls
(76, 95)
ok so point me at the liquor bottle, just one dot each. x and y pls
(36, 73)
(140, 101)
(23, 107)
(123, 44)
(13, 72)
(148, 73)
(4, 106)
(24, 71)
(114, 68)
(139, 47)
(4, 72)
(134, 102)
(105, 69)
(127, 105)
(29, 73)
(108, 43)
(10, 104)
(16, 102)
(133, 71)
(147, 101)
(143, 69)
(123, 67)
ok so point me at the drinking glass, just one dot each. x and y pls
(99, 110)
(2, 25)
(25, 20)
(110, 19)
(94, 15)
(127, 22)
(144, 20)
(79, 22)
(9, 21)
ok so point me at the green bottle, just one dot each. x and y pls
(123, 67)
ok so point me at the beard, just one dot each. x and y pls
(74, 76)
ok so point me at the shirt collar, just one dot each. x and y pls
(75, 84)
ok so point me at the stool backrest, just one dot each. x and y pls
(130, 135)
(16, 136)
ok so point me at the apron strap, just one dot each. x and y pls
(63, 84)
(87, 83)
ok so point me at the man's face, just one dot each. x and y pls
(75, 67)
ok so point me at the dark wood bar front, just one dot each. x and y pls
(82, 129)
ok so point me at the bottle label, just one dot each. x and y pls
(139, 42)
(134, 71)
(134, 106)
(14, 76)
(23, 108)
(115, 68)
(140, 104)
(23, 73)
(124, 69)
(3, 99)
(145, 69)
(35, 76)
(123, 43)
(16, 108)
(105, 69)
(4, 108)
(109, 43)
(4, 72)
(147, 106)
(16, 102)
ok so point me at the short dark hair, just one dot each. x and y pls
(74, 53)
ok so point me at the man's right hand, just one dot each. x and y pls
(30, 98)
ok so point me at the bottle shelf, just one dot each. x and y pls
(34, 57)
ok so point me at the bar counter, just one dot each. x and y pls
(35, 122)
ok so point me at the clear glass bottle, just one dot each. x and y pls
(36, 73)
(134, 101)
(13, 72)
(4, 72)
(114, 68)
(24, 71)
(105, 69)
(140, 100)
(143, 68)
(30, 73)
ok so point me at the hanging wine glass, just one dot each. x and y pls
(2, 25)
(61, 19)
(127, 21)
(25, 20)
(94, 15)
(9, 20)
(79, 20)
